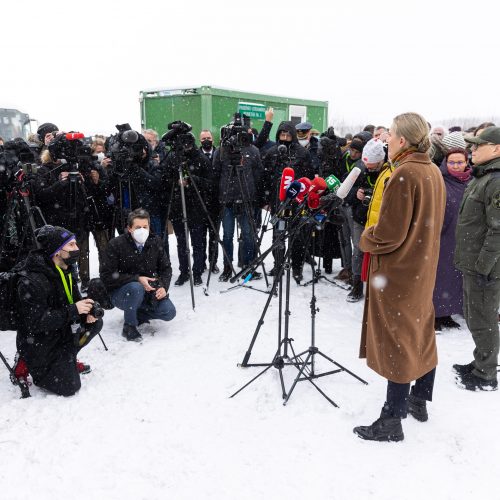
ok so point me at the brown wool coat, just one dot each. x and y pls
(398, 338)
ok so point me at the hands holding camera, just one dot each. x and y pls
(160, 293)
(84, 307)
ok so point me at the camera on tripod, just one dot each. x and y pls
(126, 150)
(235, 137)
(74, 148)
(17, 156)
(179, 137)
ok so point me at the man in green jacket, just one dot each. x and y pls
(477, 255)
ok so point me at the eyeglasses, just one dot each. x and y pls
(457, 163)
(476, 146)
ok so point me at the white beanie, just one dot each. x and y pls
(373, 152)
(454, 140)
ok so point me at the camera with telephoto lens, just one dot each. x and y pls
(75, 149)
(16, 156)
(368, 196)
(126, 150)
(179, 137)
(234, 137)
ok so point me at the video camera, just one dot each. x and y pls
(74, 148)
(126, 149)
(15, 156)
(235, 137)
(179, 137)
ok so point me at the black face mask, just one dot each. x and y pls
(285, 143)
(74, 255)
(206, 144)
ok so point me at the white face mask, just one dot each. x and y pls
(304, 142)
(140, 235)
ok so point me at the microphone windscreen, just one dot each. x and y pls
(318, 185)
(293, 190)
(349, 181)
(287, 177)
(332, 182)
(304, 189)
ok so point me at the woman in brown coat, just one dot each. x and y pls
(398, 338)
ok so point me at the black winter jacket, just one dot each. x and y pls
(238, 183)
(122, 263)
(300, 161)
(45, 315)
(53, 197)
(366, 181)
(195, 166)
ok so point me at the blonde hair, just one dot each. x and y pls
(45, 157)
(413, 127)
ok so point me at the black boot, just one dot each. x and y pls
(130, 332)
(417, 407)
(183, 278)
(463, 369)
(327, 264)
(449, 322)
(297, 274)
(385, 428)
(226, 274)
(356, 294)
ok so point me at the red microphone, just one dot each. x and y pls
(287, 177)
(313, 200)
(318, 186)
(73, 136)
(306, 184)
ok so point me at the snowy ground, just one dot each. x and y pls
(154, 420)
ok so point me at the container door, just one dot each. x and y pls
(297, 114)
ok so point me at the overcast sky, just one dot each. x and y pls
(81, 65)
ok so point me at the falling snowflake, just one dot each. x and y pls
(379, 282)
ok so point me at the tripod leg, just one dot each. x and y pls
(102, 340)
(343, 368)
(283, 390)
(322, 393)
(301, 371)
(248, 383)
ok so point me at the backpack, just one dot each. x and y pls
(8, 298)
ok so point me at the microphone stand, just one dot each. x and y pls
(282, 265)
(306, 366)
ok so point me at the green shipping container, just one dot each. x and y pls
(212, 108)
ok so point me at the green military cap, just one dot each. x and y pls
(489, 135)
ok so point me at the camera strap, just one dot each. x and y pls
(68, 289)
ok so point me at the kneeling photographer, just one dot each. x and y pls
(54, 323)
(137, 272)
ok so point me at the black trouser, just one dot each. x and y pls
(61, 376)
(298, 247)
(213, 241)
(196, 236)
(397, 394)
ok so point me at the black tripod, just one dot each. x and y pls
(20, 220)
(247, 208)
(306, 366)
(282, 264)
(186, 231)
